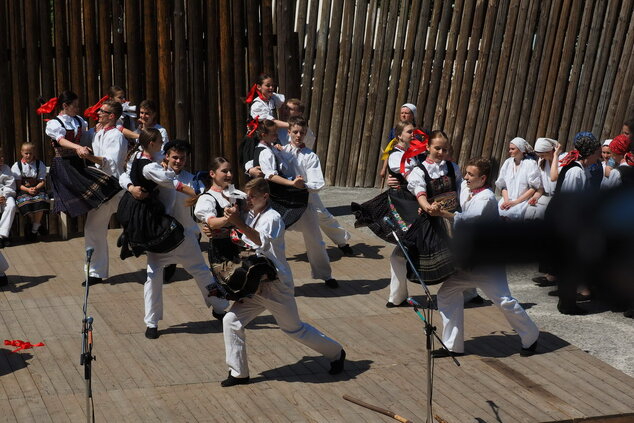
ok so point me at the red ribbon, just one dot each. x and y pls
(629, 158)
(47, 107)
(416, 147)
(91, 112)
(252, 126)
(573, 156)
(252, 93)
(22, 345)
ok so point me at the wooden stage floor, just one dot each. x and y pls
(176, 377)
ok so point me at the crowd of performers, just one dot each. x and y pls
(127, 165)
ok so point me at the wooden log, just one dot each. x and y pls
(356, 133)
(419, 51)
(118, 50)
(352, 91)
(281, 31)
(6, 86)
(448, 68)
(428, 61)
(32, 73)
(164, 14)
(93, 92)
(301, 22)
(254, 40)
(540, 85)
(181, 104)
(608, 95)
(328, 87)
(481, 114)
(623, 87)
(370, 145)
(467, 85)
(150, 65)
(456, 85)
(267, 38)
(134, 49)
(18, 89)
(213, 80)
(309, 56)
(406, 68)
(198, 129)
(320, 65)
(373, 176)
(563, 77)
(589, 61)
(105, 56)
(226, 84)
(76, 56)
(61, 49)
(239, 48)
(336, 141)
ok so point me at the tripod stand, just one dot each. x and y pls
(86, 357)
(426, 317)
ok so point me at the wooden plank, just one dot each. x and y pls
(229, 130)
(181, 106)
(105, 57)
(135, 87)
(150, 52)
(164, 14)
(118, 50)
(625, 79)
(93, 91)
(254, 39)
(320, 63)
(309, 56)
(32, 74)
(267, 37)
(212, 78)
(17, 70)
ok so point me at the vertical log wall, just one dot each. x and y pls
(484, 71)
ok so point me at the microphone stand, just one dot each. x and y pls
(430, 330)
(86, 357)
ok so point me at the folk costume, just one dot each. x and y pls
(537, 211)
(478, 206)
(77, 188)
(7, 190)
(277, 296)
(30, 174)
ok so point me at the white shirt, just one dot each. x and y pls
(271, 228)
(394, 162)
(206, 205)
(416, 181)
(29, 170)
(182, 212)
(7, 182)
(56, 131)
(575, 179)
(305, 162)
(547, 183)
(614, 179)
(113, 147)
(284, 138)
(167, 182)
(482, 205)
(264, 109)
(517, 180)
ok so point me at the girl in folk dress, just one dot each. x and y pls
(264, 101)
(518, 180)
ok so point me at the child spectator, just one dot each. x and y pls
(30, 179)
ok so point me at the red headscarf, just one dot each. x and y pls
(47, 107)
(620, 144)
(573, 156)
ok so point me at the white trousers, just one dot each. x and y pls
(328, 224)
(6, 220)
(308, 225)
(492, 281)
(538, 210)
(279, 299)
(4, 265)
(96, 235)
(188, 255)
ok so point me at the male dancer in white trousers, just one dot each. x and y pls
(110, 149)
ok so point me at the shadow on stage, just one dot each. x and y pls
(313, 370)
(346, 288)
(361, 250)
(140, 277)
(11, 362)
(20, 283)
(205, 327)
(501, 344)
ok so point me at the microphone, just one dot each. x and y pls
(413, 302)
(389, 222)
(89, 252)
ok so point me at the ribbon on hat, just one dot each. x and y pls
(252, 126)
(573, 156)
(252, 93)
(47, 107)
(22, 345)
(91, 112)
(416, 147)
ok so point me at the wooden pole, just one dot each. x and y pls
(150, 67)
(239, 65)
(419, 52)
(105, 57)
(199, 135)
(309, 56)
(6, 86)
(411, 19)
(226, 84)
(18, 88)
(267, 37)
(164, 14)
(423, 88)
(623, 87)
(118, 53)
(44, 12)
(76, 56)
(134, 51)
(213, 80)
(320, 65)
(93, 91)
(59, 31)
(181, 105)
(254, 40)
(32, 73)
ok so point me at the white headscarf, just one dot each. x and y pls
(522, 144)
(606, 143)
(411, 107)
(545, 145)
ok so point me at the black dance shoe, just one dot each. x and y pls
(4, 281)
(151, 333)
(442, 353)
(390, 304)
(571, 310)
(233, 381)
(218, 316)
(332, 283)
(336, 366)
(346, 250)
(527, 352)
(168, 273)
(92, 281)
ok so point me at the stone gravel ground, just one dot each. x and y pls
(607, 335)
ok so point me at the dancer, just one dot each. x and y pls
(264, 101)
(263, 231)
(518, 180)
(7, 201)
(407, 114)
(30, 181)
(478, 204)
(77, 188)
(150, 175)
(307, 165)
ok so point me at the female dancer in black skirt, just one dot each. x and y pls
(77, 187)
